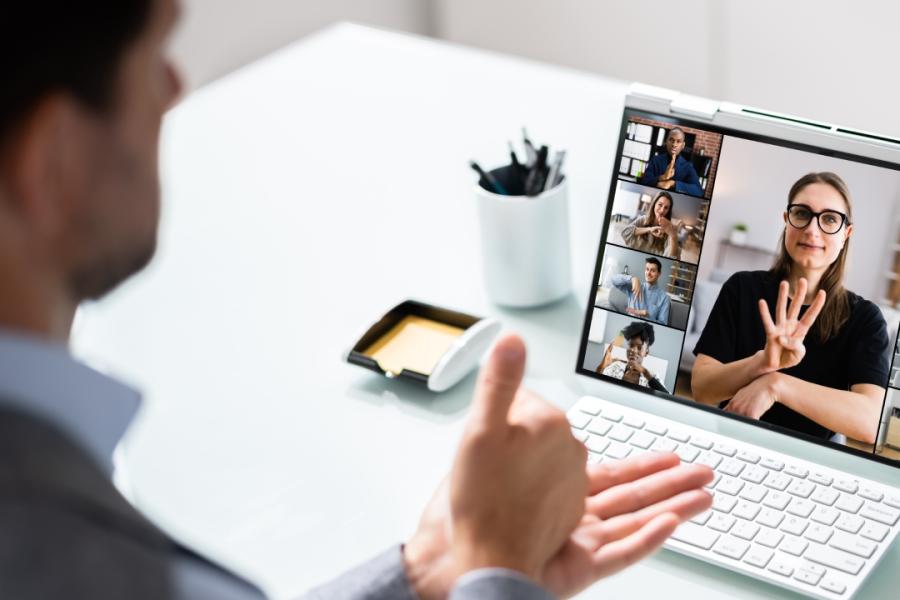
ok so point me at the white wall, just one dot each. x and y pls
(824, 59)
(217, 36)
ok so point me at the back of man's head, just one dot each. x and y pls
(64, 46)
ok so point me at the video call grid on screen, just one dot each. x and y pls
(724, 178)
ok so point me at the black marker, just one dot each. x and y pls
(490, 179)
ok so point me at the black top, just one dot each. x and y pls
(857, 354)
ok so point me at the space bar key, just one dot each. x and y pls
(695, 535)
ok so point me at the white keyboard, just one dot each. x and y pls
(796, 524)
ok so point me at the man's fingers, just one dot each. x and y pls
(498, 383)
(768, 325)
(685, 505)
(636, 495)
(615, 556)
(781, 304)
(608, 474)
(798, 299)
(813, 312)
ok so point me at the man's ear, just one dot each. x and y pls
(45, 162)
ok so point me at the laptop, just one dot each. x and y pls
(711, 207)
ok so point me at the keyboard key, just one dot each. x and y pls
(695, 535)
(581, 436)
(824, 495)
(893, 500)
(594, 458)
(770, 518)
(642, 440)
(794, 526)
(618, 451)
(716, 478)
(611, 415)
(846, 485)
(746, 510)
(794, 545)
(720, 522)
(686, 453)
(778, 481)
(769, 537)
(710, 460)
(599, 427)
(825, 515)
(796, 471)
(578, 419)
(589, 405)
(701, 443)
(597, 444)
(679, 436)
(748, 457)
(656, 428)
(801, 508)
(874, 531)
(620, 433)
(731, 467)
(634, 421)
(723, 503)
(852, 544)
(818, 533)
(745, 530)
(703, 517)
(664, 445)
(771, 463)
(817, 569)
(807, 576)
(754, 474)
(870, 493)
(758, 557)
(730, 485)
(880, 513)
(851, 523)
(850, 504)
(801, 488)
(731, 547)
(836, 559)
(754, 493)
(724, 449)
(777, 500)
(782, 568)
(833, 585)
(820, 478)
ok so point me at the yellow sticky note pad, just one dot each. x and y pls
(415, 343)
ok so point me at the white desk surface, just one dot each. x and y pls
(303, 196)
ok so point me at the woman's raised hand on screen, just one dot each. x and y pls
(784, 338)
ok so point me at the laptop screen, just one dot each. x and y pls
(703, 225)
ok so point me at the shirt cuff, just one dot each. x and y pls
(380, 578)
(497, 584)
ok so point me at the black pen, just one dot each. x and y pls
(490, 179)
(514, 160)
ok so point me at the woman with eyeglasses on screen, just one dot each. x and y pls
(817, 363)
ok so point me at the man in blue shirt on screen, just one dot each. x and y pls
(671, 172)
(645, 299)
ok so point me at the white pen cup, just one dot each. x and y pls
(524, 244)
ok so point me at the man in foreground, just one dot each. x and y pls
(87, 86)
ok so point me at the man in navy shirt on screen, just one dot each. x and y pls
(671, 172)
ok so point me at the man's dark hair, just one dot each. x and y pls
(67, 46)
(641, 330)
(676, 129)
(653, 261)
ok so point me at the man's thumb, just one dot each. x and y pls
(498, 382)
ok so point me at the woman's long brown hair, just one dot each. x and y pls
(836, 311)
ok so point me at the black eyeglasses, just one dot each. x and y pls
(830, 221)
